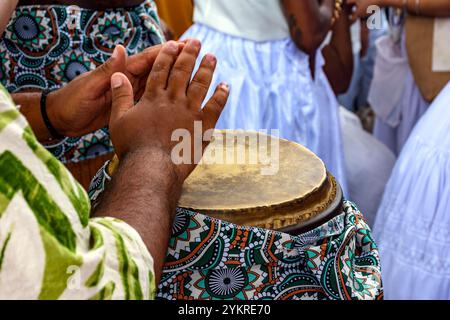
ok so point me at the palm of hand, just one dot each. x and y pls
(170, 101)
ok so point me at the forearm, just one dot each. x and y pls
(29, 104)
(309, 22)
(432, 8)
(338, 56)
(144, 193)
(6, 9)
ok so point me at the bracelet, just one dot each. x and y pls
(338, 4)
(53, 132)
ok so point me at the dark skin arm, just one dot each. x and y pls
(309, 22)
(146, 188)
(29, 103)
(144, 193)
(338, 54)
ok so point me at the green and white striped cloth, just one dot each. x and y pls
(50, 248)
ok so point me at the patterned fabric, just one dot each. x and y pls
(213, 259)
(49, 246)
(45, 47)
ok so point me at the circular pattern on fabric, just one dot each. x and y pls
(225, 283)
(32, 32)
(74, 69)
(331, 262)
(93, 146)
(69, 67)
(112, 31)
(180, 224)
(26, 28)
(109, 30)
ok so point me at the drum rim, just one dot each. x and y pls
(322, 213)
(333, 210)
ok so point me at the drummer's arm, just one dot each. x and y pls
(309, 22)
(146, 188)
(6, 9)
(144, 193)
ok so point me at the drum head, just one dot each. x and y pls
(249, 178)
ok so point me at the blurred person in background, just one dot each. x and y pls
(368, 162)
(412, 225)
(364, 38)
(394, 94)
(264, 49)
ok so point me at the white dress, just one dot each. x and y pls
(413, 223)
(394, 95)
(270, 78)
(368, 165)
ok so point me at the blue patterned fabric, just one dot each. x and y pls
(213, 259)
(45, 47)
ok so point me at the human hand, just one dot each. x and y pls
(171, 101)
(84, 105)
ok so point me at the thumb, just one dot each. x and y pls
(122, 96)
(116, 63)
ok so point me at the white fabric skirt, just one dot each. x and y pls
(272, 88)
(368, 165)
(413, 223)
(394, 95)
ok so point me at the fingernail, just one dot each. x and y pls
(115, 53)
(116, 81)
(171, 47)
(211, 58)
(223, 85)
(194, 43)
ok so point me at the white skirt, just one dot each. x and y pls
(413, 223)
(394, 95)
(271, 88)
(368, 164)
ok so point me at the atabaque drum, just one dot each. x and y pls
(258, 180)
